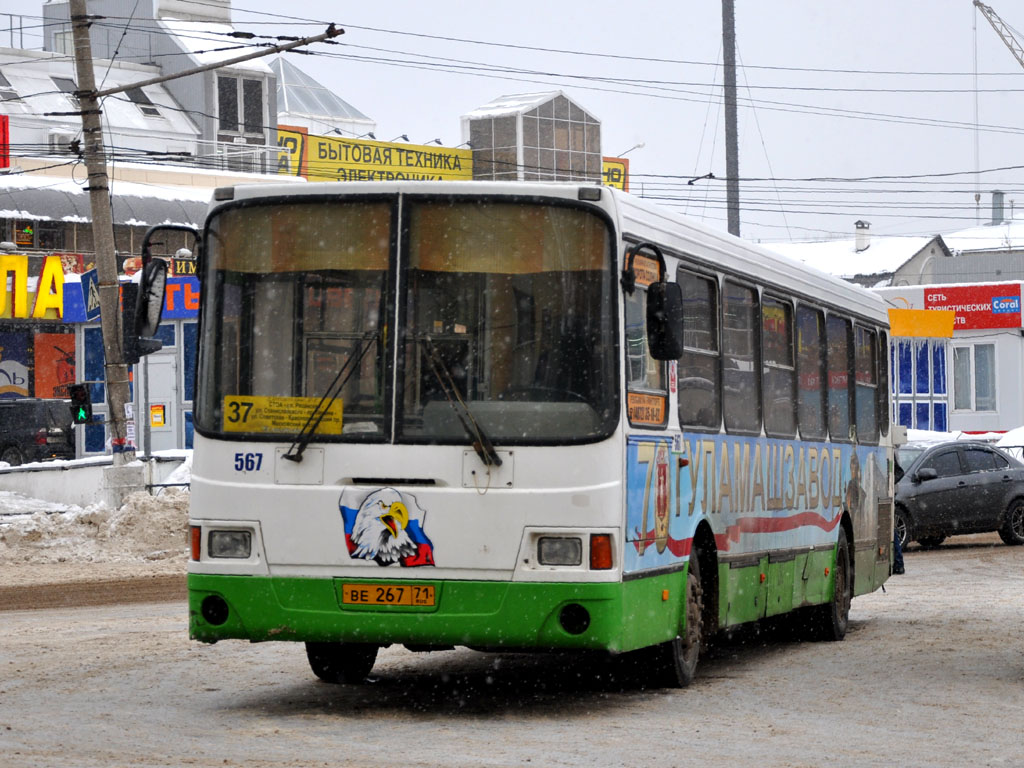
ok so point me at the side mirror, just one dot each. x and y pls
(149, 306)
(665, 320)
(926, 473)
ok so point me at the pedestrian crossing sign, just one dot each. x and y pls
(91, 294)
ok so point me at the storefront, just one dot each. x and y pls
(972, 381)
(161, 383)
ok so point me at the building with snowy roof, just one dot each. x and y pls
(534, 136)
(869, 261)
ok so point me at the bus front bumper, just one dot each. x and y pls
(481, 614)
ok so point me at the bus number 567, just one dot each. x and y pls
(248, 462)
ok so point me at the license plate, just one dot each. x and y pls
(387, 594)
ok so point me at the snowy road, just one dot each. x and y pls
(931, 673)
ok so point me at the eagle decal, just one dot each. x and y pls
(386, 526)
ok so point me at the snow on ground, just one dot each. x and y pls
(146, 528)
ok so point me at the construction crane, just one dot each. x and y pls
(1005, 33)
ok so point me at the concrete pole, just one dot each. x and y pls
(116, 372)
(732, 152)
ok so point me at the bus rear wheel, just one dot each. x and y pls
(341, 662)
(832, 619)
(677, 659)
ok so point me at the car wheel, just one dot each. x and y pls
(830, 621)
(1012, 531)
(931, 542)
(12, 455)
(902, 530)
(676, 660)
(341, 662)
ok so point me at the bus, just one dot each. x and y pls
(524, 416)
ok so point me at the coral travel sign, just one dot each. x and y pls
(323, 158)
(977, 306)
(25, 297)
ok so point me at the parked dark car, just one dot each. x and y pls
(958, 487)
(33, 429)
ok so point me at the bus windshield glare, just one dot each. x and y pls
(504, 309)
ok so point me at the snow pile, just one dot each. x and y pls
(145, 528)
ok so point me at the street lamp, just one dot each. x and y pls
(402, 136)
(641, 145)
(434, 141)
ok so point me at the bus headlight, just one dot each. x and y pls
(233, 544)
(559, 550)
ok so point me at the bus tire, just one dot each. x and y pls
(831, 619)
(341, 662)
(679, 656)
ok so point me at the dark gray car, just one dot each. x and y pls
(34, 429)
(955, 488)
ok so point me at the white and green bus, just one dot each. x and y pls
(524, 416)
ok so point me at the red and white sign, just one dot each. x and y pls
(977, 306)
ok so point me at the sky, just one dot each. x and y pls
(848, 111)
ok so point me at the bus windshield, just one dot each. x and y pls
(505, 317)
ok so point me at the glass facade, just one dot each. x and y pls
(559, 142)
(919, 383)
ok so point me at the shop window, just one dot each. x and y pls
(189, 332)
(905, 415)
(922, 415)
(699, 391)
(778, 371)
(741, 397)
(50, 236)
(96, 434)
(922, 370)
(25, 234)
(905, 367)
(938, 368)
(974, 378)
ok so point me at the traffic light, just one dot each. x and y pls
(81, 405)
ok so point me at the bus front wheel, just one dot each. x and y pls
(341, 662)
(679, 656)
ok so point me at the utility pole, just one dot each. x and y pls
(116, 371)
(732, 152)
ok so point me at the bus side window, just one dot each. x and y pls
(778, 372)
(700, 398)
(647, 394)
(866, 384)
(837, 330)
(741, 396)
(810, 362)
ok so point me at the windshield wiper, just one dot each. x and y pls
(333, 390)
(477, 437)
